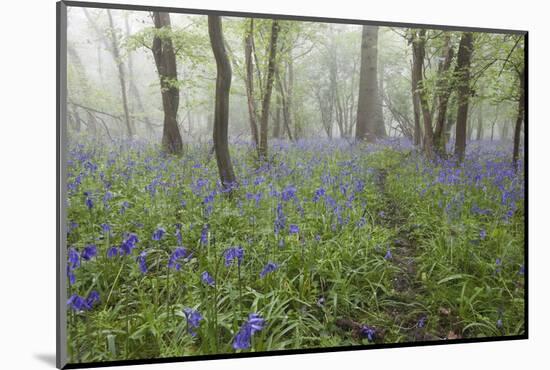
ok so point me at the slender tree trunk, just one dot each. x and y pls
(133, 90)
(445, 90)
(463, 90)
(370, 122)
(416, 105)
(277, 123)
(292, 122)
(221, 112)
(419, 45)
(519, 118)
(262, 149)
(340, 115)
(249, 82)
(165, 60)
(121, 74)
(284, 104)
(479, 131)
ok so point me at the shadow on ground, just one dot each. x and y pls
(47, 358)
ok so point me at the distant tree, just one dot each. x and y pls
(121, 74)
(132, 88)
(221, 111)
(249, 82)
(370, 121)
(266, 99)
(165, 60)
(464, 57)
(519, 117)
(277, 120)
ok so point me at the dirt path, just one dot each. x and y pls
(408, 289)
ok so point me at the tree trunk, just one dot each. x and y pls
(519, 118)
(277, 123)
(479, 131)
(284, 104)
(463, 90)
(165, 60)
(221, 112)
(416, 105)
(121, 75)
(445, 90)
(370, 122)
(133, 90)
(418, 46)
(262, 149)
(249, 82)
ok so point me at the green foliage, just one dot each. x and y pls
(441, 268)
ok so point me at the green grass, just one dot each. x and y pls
(440, 269)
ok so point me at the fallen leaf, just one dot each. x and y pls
(452, 335)
(444, 311)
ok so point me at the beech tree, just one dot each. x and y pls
(249, 82)
(370, 121)
(221, 110)
(266, 99)
(165, 60)
(464, 57)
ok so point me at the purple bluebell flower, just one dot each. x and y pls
(207, 279)
(499, 323)
(158, 233)
(177, 254)
(112, 252)
(368, 332)
(71, 226)
(142, 262)
(293, 229)
(320, 192)
(280, 219)
(74, 258)
(270, 267)
(178, 234)
(193, 318)
(233, 253)
(89, 252)
(128, 244)
(89, 202)
(123, 206)
(79, 303)
(521, 270)
(71, 275)
(107, 197)
(388, 255)
(106, 228)
(254, 324)
(422, 322)
(204, 234)
(483, 234)
(288, 193)
(92, 299)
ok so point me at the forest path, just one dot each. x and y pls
(408, 290)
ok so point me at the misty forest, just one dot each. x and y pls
(247, 184)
